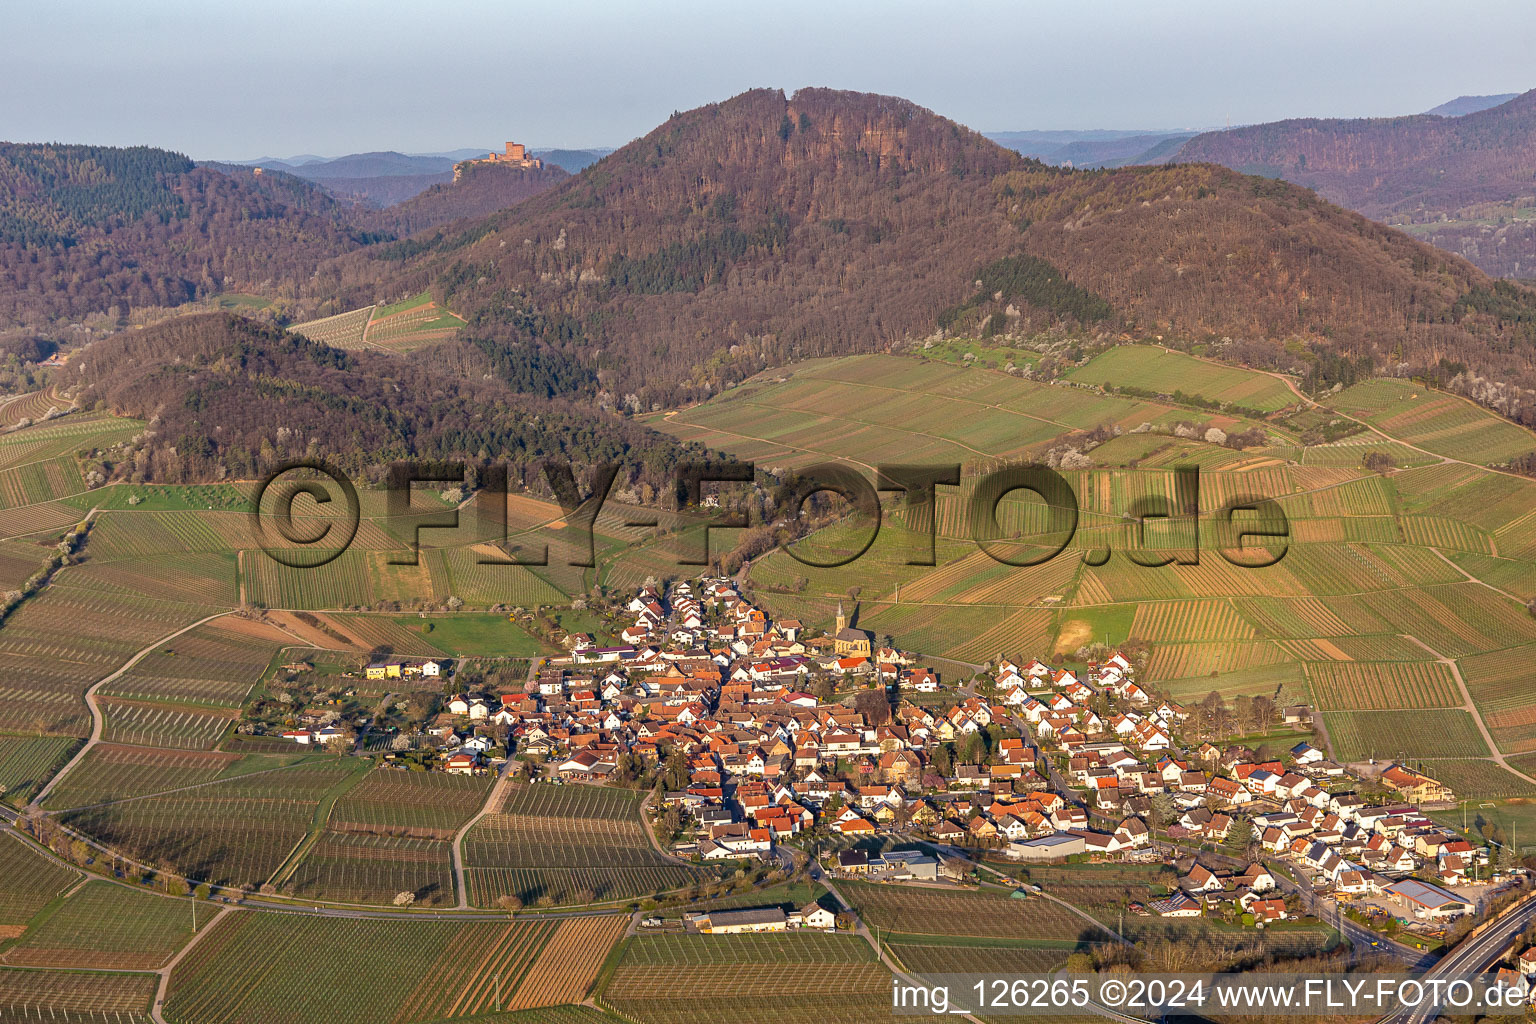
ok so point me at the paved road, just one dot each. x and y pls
(1474, 956)
(97, 722)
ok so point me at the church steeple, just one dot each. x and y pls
(842, 618)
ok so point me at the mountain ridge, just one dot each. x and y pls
(1466, 182)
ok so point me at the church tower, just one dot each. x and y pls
(842, 619)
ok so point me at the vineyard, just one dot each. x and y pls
(164, 725)
(111, 772)
(39, 481)
(428, 804)
(75, 997)
(1163, 371)
(1478, 779)
(106, 925)
(234, 833)
(940, 912)
(1390, 686)
(28, 881)
(348, 867)
(1190, 620)
(411, 324)
(344, 330)
(772, 978)
(567, 844)
(216, 663)
(1361, 735)
(281, 969)
(1436, 422)
(568, 966)
(950, 958)
(28, 762)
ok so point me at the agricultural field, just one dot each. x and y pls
(1389, 686)
(28, 762)
(1391, 735)
(566, 844)
(352, 867)
(772, 978)
(110, 772)
(1164, 371)
(423, 804)
(1500, 684)
(289, 970)
(165, 725)
(29, 881)
(410, 324)
(75, 997)
(1440, 423)
(344, 330)
(475, 634)
(981, 914)
(106, 925)
(237, 832)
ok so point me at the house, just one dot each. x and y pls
(462, 763)
(1201, 879)
(853, 862)
(1306, 753)
(1178, 905)
(814, 915)
(1416, 786)
(1265, 910)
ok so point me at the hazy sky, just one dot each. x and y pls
(280, 77)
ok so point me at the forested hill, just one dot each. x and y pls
(224, 395)
(1478, 168)
(84, 229)
(768, 228)
(480, 190)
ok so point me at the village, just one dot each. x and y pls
(756, 734)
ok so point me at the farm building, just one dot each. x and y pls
(736, 922)
(1428, 902)
(1057, 846)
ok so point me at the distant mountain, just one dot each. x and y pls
(1134, 149)
(1467, 183)
(1093, 148)
(382, 191)
(374, 165)
(767, 228)
(456, 155)
(571, 160)
(1470, 104)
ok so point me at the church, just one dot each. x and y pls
(847, 641)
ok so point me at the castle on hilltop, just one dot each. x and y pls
(516, 155)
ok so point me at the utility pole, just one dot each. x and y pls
(498, 992)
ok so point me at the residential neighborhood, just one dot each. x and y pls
(756, 733)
